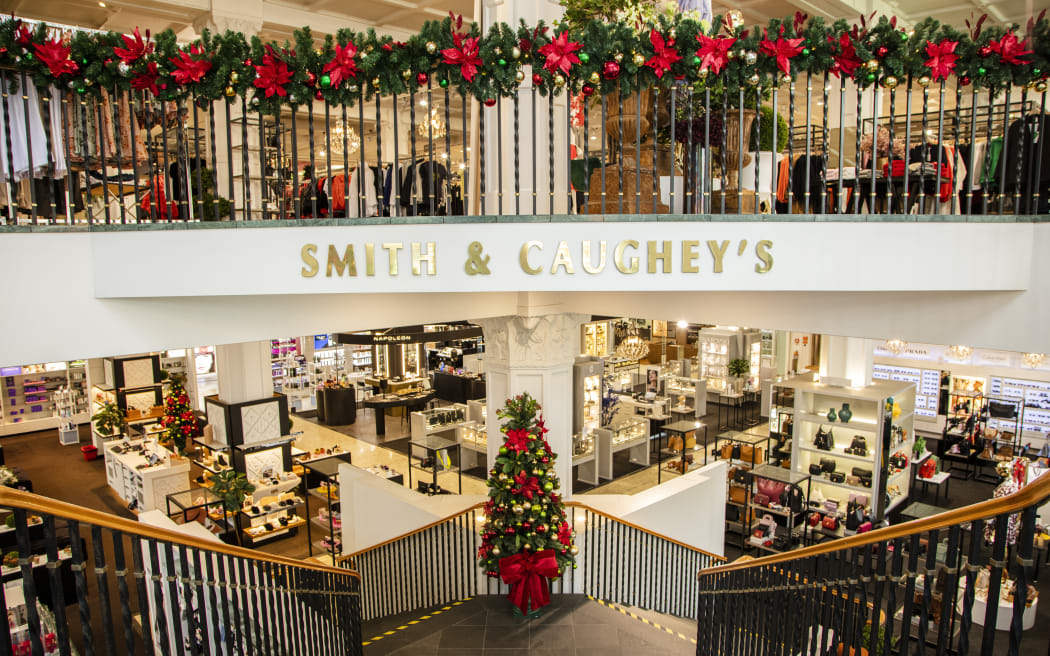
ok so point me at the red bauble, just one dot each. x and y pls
(545, 460)
(611, 70)
(984, 51)
(537, 79)
(422, 78)
(248, 62)
(881, 52)
(318, 95)
(510, 530)
(964, 81)
(108, 62)
(526, 525)
(542, 528)
(311, 79)
(490, 102)
(588, 90)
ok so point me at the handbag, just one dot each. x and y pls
(830, 522)
(732, 514)
(864, 528)
(792, 499)
(865, 481)
(759, 456)
(815, 470)
(761, 499)
(827, 465)
(899, 461)
(674, 443)
(727, 452)
(770, 488)
(831, 505)
(735, 452)
(814, 519)
(837, 477)
(820, 441)
(732, 473)
(737, 494)
(859, 446)
(1002, 410)
(859, 499)
(928, 468)
(853, 480)
(742, 477)
(747, 452)
(860, 472)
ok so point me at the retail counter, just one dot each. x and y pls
(148, 487)
(458, 389)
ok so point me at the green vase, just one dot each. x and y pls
(831, 414)
(845, 413)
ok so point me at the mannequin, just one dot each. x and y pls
(1008, 485)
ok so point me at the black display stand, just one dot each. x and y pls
(458, 389)
(337, 406)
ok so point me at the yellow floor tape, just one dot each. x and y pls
(414, 622)
(643, 619)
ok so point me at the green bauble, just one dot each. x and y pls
(548, 486)
(502, 62)
(326, 81)
(697, 60)
(584, 58)
(982, 70)
(443, 82)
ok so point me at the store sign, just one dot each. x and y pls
(583, 256)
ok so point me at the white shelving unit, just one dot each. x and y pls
(28, 395)
(872, 418)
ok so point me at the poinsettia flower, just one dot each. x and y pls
(518, 440)
(465, 55)
(56, 56)
(136, 47)
(782, 49)
(942, 58)
(847, 59)
(526, 485)
(565, 534)
(664, 54)
(1010, 50)
(188, 69)
(342, 67)
(714, 52)
(271, 76)
(560, 54)
(23, 35)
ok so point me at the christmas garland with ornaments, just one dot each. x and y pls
(600, 57)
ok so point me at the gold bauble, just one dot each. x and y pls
(230, 92)
(595, 78)
(890, 82)
(753, 80)
(234, 77)
(526, 506)
(496, 551)
(497, 50)
(618, 57)
(573, 550)
(639, 59)
(519, 76)
(517, 510)
(924, 81)
(1040, 86)
(515, 52)
(872, 65)
(750, 58)
(317, 51)
(405, 74)
(375, 82)
(431, 47)
(559, 81)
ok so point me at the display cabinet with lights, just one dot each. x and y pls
(437, 420)
(627, 433)
(596, 339)
(585, 457)
(587, 394)
(688, 396)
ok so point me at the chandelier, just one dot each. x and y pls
(435, 126)
(959, 352)
(633, 347)
(1034, 360)
(896, 346)
(344, 139)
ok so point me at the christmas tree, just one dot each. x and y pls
(178, 419)
(526, 532)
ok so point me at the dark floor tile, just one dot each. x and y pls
(421, 648)
(598, 636)
(552, 616)
(552, 652)
(461, 652)
(505, 616)
(552, 636)
(462, 637)
(591, 651)
(501, 637)
(478, 618)
(592, 613)
(507, 652)
(647, 638)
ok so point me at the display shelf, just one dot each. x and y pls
(322, 482)
(853, 424)
(320, 493)
(425, 423)
(273, 510)
(836, 453)
(629, 433)
(256, 535)
(844, 486)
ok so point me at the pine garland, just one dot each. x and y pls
(612, 58)
(524, 511)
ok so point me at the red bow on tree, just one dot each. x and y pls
(465, 55)
(783, 49)
(342, 67)
(524, 573)
(518, 440)
(188, 69)
(56, 56)
(664, 56)
(942, 58)
(527, 485)
(272, 75)
(565, 534)
(136, 48)
(1010, 50)
(560, 55)
(847, 60)
(714, 53)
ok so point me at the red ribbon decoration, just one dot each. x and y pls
(524, 573)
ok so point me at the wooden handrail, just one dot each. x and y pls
(35, 503)
(644, 530)
(1035, 492)
(432, 524)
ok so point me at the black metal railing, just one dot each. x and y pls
(127, 157)
(949, 584)
(81, 581)
(615, 561)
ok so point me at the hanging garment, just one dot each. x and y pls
(17, 161)
(58, 146)
(989, 181)
(782, 179)
(362, 184)
(1023, 147)
(155, 198)
(312, 197)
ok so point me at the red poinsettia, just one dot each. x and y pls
(560, 54)
(189, 67)
(465, 55)
(565, 534)
(342, 67)
(527, 485)
(942, 58)
(714, 52)
(272, 75)
(136, 47)
(23, 35)
(1010, 50)
(782, 49)
(664, 54)
(56, 56)
(847, 60)
(518, 440)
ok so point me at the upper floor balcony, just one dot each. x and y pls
(603, 121)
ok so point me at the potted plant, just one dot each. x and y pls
(738, 368)
(109, 420)
(232, 487)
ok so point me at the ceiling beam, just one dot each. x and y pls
(323, 22)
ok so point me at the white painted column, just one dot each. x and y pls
(534, 354)
(847, 357)
(244, 371)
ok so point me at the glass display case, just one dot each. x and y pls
(680, 385)
(592, 402)
(474, 435)
(596, 338)
(439, 417)
(630, 429)
(582, 445)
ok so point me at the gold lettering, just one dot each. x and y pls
(563, 259)
(762, 251)
(392, 247)
(341, 264)
(430, 258)
(689, 255)
(618, 256)
(370, 259)
(663, 255)
(718, 252)
(523, 257)
(307, 253)
(587, 257)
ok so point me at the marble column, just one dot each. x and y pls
(244, 371)
(534, 354)
(847, 357)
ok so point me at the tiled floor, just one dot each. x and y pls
(485, 626)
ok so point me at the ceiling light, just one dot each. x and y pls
(444, 155)
(462, 166)
(423, 102)
(682, 323)
(896, 346)
(1033, 360)
(633, 347)
(102, 4)
(960, 352)
(434, 127)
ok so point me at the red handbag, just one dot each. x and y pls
(928, 469)
(864, 528)
(830, 522)
(814, 519)
(761, 500)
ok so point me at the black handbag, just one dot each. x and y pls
(732, 513)
(837, 477)
(858, 446)
(792, 498)
(827, 465)
(821, 441)
(865, 481)
(741, 476)
(861, 472)
(1002, 410)
(815, 470)
(854, 516)
(736, 452)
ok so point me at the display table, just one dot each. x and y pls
(432, 447)
(139, 484)
(1006, 611)
(941, 478)
(381, 403)
(199, 499)
(684, 430)
(337, 406)
(458, 389)
(920, 511)
(732, 404)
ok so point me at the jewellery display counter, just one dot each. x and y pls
(587, 394)
(620, 374)
(585, 457)
(473, 437)
(688, 396)
(391, 403)
(630, 433)
(143, 476)
(437, 420)
(596, 339)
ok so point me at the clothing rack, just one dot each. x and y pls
(818, 137)
(960, 117)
